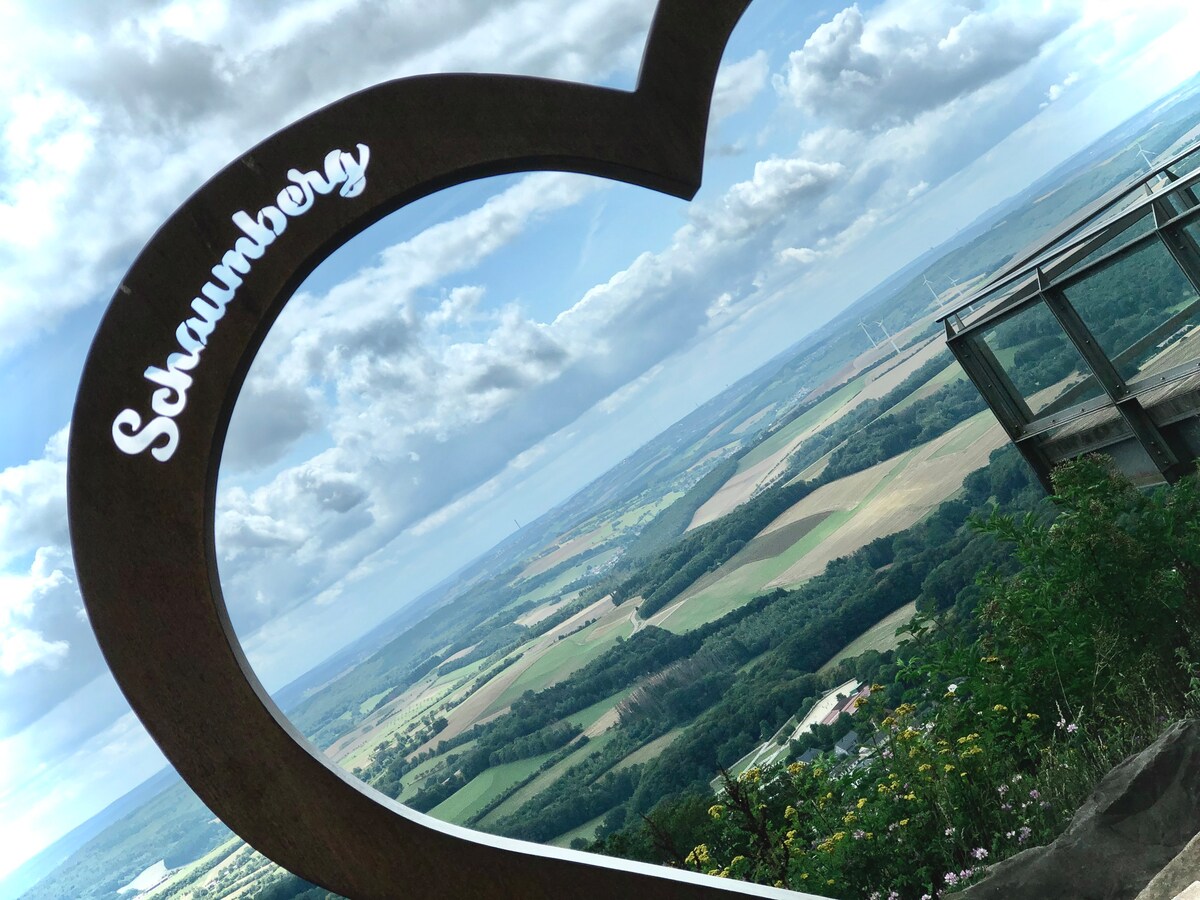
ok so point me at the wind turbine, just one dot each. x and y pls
(1145, 157)
(863, 326)
(888, 336)
(936, 297)
(958, 291)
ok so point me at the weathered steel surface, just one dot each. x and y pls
(142, 527)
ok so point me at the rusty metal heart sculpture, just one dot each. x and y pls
(159, 387)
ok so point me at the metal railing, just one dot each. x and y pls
(1102, 312)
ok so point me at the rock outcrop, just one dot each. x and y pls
(1180, 874)
(1139, 818)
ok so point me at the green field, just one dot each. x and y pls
(880, 636)
(439, 692)
(586, 718)
(524, 794)
(949, 375)
(612, 527)
(649, 751)
(745, 582)
(587, 831)
(559, 661)
(369, 704)
(810, 419)
(415, 778)
(571, 574)
(969, 432)
(484, 788)
(583, 719)
(467, 670)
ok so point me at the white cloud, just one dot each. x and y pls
(737, 85)
(22, 647)
(33, 503)
(874, 71)
(778, 187)
(20, 595)
(1057, 90)
(40, 621)
(802, 255)
(114, 116)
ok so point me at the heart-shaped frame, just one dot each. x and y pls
(159, 387)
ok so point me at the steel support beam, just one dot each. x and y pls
(1180, 244)
(1186, 195)
(1162, 454)
(1002, 396)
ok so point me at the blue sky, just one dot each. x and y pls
(480, 355)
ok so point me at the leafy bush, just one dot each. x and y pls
(1076, 660)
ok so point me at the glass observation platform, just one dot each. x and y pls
(1090, 342)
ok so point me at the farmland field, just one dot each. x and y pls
(880, 637)
(484, 788)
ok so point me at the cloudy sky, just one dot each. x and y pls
(480, 355)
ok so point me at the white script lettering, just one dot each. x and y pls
(192, 334)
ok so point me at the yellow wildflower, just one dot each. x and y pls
(699, 855)
(999, 707)
(716, 811)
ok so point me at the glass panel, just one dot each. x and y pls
(1144, 224)
(1040, 360)
(1178, 201)
(1186, 165)
(1192, 230)
(1142, 311)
